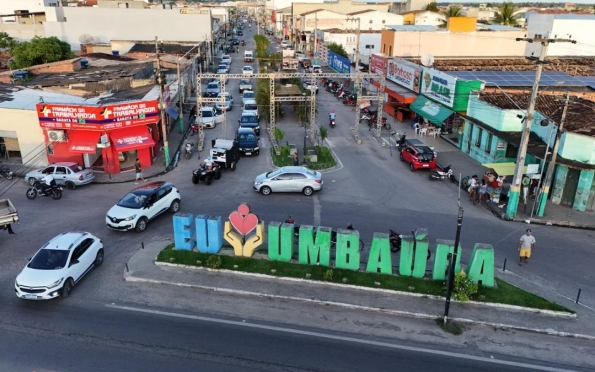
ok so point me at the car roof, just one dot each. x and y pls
(248, 91)
(150, 187)
(248, 114)
(249, 102)
(224, 94)
(65, 241)
(295, 169)
(226, 56)
(207, 108)
(64, 164)
(245, 130)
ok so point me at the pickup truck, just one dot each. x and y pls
(8, 215)
(245, 84)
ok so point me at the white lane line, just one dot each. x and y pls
(338, 338)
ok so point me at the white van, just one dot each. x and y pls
(248, 56)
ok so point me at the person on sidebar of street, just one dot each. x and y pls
(139, 172)
(296, 161)
(46, 182)
(526, 245)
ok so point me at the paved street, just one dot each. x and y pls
(371, 189)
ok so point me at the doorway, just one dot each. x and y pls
(569, 191)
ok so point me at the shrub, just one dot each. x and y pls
(464, 287)
(328, 275)
(214, 262)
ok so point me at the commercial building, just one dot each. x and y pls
(577, 26)
(423, 17)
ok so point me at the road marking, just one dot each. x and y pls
(338, 338)
(317, 209)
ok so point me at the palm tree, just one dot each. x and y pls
(432, 7)
(505, 15)
(451, 11)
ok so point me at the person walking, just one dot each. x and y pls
(139, 172)
(296, 161)
(526, 245)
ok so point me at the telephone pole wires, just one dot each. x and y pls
(161, 83)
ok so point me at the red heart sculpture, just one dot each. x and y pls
(243, 225)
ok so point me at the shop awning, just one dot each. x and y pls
(172, 111)
(83, 141)
(504, 169)
(132, 138)
(434, 112)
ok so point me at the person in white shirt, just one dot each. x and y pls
(47, 181)
(473, 184)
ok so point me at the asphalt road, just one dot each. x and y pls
(372, 190)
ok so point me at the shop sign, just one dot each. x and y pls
(501, 146)
(55, 116)
(245, 232)
(438, 86)
(132, 140)
(82, 148)
(378, 64)
(323, 53)
(404, 75)
(338, 63)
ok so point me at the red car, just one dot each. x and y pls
(418, 156)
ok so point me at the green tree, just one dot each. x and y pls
(337, 48)
(505, 15)
(432, 7)
(262, 46)
(38, 51)
(6, 41)
(323, 133)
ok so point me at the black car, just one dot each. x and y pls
(235, 41)
(240, 33)
(206, 174)
(230, 49)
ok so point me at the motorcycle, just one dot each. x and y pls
(350, 101)
(442, 173)
(6, 172)
(188, 149)
(296, 233)
(372, 121)
(193, 129)
(243, 43)
(396, 241)
(206, 174)
(342, 94)
(333, 122)
(54, 191)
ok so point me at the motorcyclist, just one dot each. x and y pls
(332, 116)
(47, 181)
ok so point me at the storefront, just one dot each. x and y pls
(402, 86)
(106, 138)
(432, 112)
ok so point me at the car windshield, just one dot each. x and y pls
(207, 113)
(133, 201)
(250, 107)
(244, 82)
(222, 67)
(248, 119)
(213, 86)
(247, 68)
(274, 174)
(248, 95)
(49, 259)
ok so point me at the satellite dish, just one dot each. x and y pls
(86, 39)
(427, 60)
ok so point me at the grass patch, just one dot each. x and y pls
(325, 158)
(504, 293)
(450, 327)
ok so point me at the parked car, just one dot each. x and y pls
(69, 174)
(240, 32)
(210, 117)
(247, 70)
(213, 89)
(143, 204)
(418, 155)
(316, 69)
(248, 95)
(226, 58)
(250, 107)
(245, 84)
(223, 69)
(58, 266)
(300, 57)
(289, 179)
(311, 87)
(235, 41)
(228, 105)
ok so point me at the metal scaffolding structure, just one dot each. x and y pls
(313, 130)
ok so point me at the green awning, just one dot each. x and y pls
(434, 112)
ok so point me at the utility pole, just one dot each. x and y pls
(357, 42)
(161, 83)
(453, 262)
(515, 187)
(552, 165)
(315, 48)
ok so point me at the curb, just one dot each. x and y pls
(557, 314)
(158, 174)
(551, 332)
(566, 224)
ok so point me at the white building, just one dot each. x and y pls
(32, 6)
(374, 19)
(578, 27)
(72, 24)
(369, 42)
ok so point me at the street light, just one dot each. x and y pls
(180, 88)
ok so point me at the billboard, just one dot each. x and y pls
(378, 64)
(438, 86)
(404, 75)
(58, 116)
(338, 63)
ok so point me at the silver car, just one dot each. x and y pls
(289, 179)
(69, 174)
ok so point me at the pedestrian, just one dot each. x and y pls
(483, 192)
(472, 190)
(525, 182)
(526, 245)
(139, 172)
(296, 161)
(504, 189)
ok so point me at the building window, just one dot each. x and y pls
(371, 21)
(384, 48)
(390, 50)
(479, 135)
(383, 21)
(489, 143)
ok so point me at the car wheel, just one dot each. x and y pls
(308, 191)
(67, 288)
(257, 152)
(411, 167)
(141, 224)
(195, 179)
(175, 206)
(233, 166)
(31, 181)
(265, 190)
(70, 185)
(401, 157)
(218, 175)
(209, 179)
(9, 176)
(99, 258)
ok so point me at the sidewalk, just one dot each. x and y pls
(142, 268)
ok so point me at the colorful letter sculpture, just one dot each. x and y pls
(315, 248)
(443, 249)
(240, 224)
(280, 241)
(379, 260)
(481, 265)
(184, 233)
(347, 249)
(204, 233)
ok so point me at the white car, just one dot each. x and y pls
(316, 69)
(223, 69)
(143, 204)
(247, 70)
(228, 105)
(250, 107)
(210, 117)
(58, 266)
(226, 59)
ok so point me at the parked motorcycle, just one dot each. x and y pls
(54, 190)
(342, 94)
(396, 241)
(350, 101)
(188, 149)
(193, 129)
(442, 173)
(372, 121)
(296, 232)
(6, 172)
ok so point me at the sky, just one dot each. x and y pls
(590, 2)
